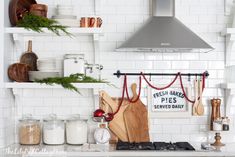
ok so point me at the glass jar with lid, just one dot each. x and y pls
(225, 123)
(73, 64)
(29, 130)
(217, 124)
(76, 130)
(53, 130)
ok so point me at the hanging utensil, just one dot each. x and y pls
(200, 107)
(196, 97)
(29, 57)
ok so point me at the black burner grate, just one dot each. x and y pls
(178, 146)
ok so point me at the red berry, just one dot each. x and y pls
(109, 117)
(98, 113)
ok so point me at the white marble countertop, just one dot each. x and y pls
(109, 150)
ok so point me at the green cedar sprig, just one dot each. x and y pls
(66, 82)
(36, 23)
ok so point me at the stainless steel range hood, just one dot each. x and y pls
(164, 33)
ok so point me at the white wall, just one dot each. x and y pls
(122, 18)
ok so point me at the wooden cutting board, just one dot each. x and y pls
(117, 125)
(136, 120)
(29, 57)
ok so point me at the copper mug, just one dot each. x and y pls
(85, 22)
(90, 22)
(95, 22)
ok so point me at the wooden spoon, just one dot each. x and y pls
(196, 97)
(200, 107)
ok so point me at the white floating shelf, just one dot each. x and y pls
(16, 85)
(78, 30)
(17, 31)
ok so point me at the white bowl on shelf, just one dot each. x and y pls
(39, 75)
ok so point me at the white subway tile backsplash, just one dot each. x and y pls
(207, 19)
(178, 137)
(171, 56)
(171, 129)
(202, 65)
(142, 65)
(216, 65)
(162, 65)
(180, 65)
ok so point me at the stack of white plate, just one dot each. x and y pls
(65, 16)
(50, 65)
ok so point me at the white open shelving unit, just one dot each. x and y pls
(229, 34)
(18, 34)
(12, 37)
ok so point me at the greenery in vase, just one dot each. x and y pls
(36, 23)
(66, 82)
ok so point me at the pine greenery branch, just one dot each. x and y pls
(36, 23)
(66, 82)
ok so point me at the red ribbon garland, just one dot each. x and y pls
(157, 88)
(162, 88)
(123, 94)
(182, 87)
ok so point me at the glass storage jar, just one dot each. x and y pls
(225, 123)
(53, 130)
(76, 130)
(217, 125)
(29, 131)
(73, 64)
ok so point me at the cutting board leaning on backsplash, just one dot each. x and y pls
(130, 124)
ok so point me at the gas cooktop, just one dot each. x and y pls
(177, 146)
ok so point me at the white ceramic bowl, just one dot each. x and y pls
(38, 75)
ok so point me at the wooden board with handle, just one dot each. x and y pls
(136, 120)
(117, 125)
(29, 57)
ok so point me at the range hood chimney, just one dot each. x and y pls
(164, 33)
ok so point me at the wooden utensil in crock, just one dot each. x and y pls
(17, 8)
(29, 57)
